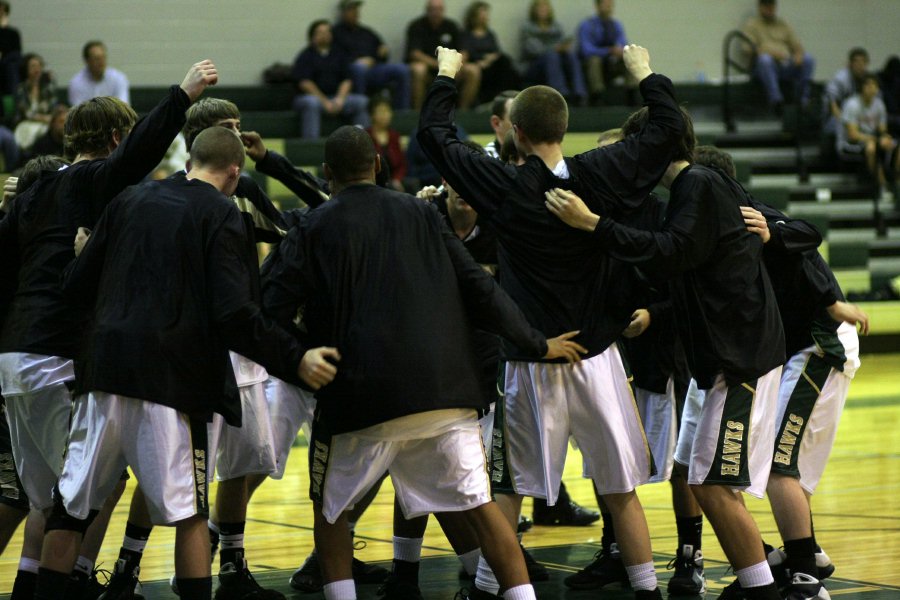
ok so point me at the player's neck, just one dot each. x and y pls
(216, 179)
(339, 186)
(551, 154)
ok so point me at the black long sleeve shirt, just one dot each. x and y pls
(386, 282)
(36, 237)
(560, 278)
(172, 289)
(724, 304)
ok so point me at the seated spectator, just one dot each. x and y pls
(864, 135)
(844, 84)
(549, 56)
(387, 142)
(97, 79)
(889, 78)
(52, 142)
(35, 99)
(10, 52)
(369, 68)
(480, 47)
(601, 41)
(322, 73)
(779, 55)
(423, 36)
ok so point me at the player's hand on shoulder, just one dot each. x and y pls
(449, 61)
(570, 209)
(844, 312)
(637, 61)
(428, 193)
(317, 367)
(9, 192)
(640, 321)
(562, 346)
(254, 145)
(81, 238)
(198, 78)
(756, 223)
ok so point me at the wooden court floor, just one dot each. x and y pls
(857, 518)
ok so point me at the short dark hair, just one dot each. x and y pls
(204, 113)
(498, 106)
(350, 153)
(710, 156)
(86, 49)
(90, 125)
(32, 170)
(767, 2)
(217, 148)
(869, 76)
(377, 101)
(541, 113)
(685, 148)
(313, 26)
(857, 51)
(4, 6)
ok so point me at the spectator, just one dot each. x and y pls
(10, 52)
(601, 40)
(96, 79)
(35, 99)
(779, 55)
(369, 67)
(423, 36)
(890, 90)
(51, 143)
(549, 55)
(323, 77)
(480, 47)
(387, 142)
(864, 134)
(844, 84)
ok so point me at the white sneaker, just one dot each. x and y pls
(806, 587)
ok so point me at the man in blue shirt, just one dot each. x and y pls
(601, 40)
(369, 68)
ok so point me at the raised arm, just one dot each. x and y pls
(480, 179)
(624, 173)
(310, 189)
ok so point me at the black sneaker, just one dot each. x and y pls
(366, 573)
(733, 591)
(308, 578)
(394, 589)
(122, 583)
(474, 593)
(536, 571)
(236, 582)
(805, 587)
(777, 558)
(607, 568)
(653, 594)
(569, 513)
(688, 579)
(525, 524)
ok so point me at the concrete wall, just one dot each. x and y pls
(155, 41)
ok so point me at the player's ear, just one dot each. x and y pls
(377, 164)
(326, 171)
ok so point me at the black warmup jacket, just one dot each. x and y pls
(803, 282)
(36, 237)
(171, 284)
(725, 308)
(386, 282)
(560, 278)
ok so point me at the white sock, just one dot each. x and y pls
(407, 549)
(83, 565)
(755, 576)
(29, 565)
(344, 589)
(642, 576)
(469, 561)
(520, 592)
(231, 541)
(485, 579)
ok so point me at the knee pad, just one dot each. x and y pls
(60, 519)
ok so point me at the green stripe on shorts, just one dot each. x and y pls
(796, 415)
(730, 464)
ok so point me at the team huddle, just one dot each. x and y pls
(701, 340)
